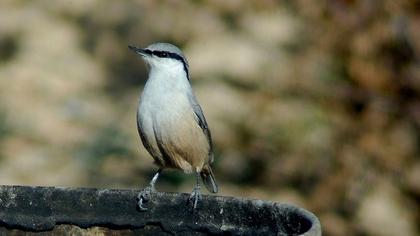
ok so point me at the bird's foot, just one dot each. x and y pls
(195, 197)
(144, 196)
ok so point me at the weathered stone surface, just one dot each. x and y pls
(85, 211)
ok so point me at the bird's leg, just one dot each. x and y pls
(195, 194)
(145, 195)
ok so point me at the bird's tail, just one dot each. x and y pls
(208, 179)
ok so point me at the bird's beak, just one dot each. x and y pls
(140, 51)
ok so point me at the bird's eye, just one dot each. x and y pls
(160, 53)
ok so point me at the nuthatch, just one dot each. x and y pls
(170, 121)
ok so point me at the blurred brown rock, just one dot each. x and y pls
(385, 211)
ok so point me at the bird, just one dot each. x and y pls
(171, 123)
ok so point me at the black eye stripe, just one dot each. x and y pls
(148, 51)
(168, 54)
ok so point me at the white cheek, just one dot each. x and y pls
(152, 62)
(166, 65)
(173, 65)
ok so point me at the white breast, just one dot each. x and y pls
(165, 97)
(166, 116)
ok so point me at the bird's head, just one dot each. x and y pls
(163, 56)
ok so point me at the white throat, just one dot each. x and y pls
(167, 77)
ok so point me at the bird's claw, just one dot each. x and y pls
(195, 196)
(140, 203)
(144, 196)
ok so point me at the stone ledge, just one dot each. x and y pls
(48, 209)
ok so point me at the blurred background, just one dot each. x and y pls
(314, 103)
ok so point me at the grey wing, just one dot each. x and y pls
(201, 120)
(145, 142)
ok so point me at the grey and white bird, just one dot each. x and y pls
(170, 121)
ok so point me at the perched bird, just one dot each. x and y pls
(170, 121)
